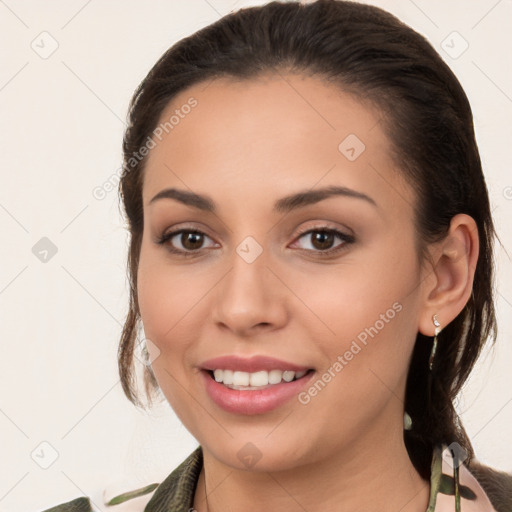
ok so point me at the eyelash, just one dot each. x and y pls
(347, 239)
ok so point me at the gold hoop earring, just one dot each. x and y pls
(434, 344)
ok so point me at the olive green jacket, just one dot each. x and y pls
(451, 485)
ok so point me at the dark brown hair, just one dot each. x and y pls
(381, 61)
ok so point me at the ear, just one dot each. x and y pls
(448, 280)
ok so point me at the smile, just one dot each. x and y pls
(256, 380)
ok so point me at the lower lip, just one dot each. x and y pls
(253, 402)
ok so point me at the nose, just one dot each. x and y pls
(250, 298)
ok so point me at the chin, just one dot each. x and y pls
(259, 453)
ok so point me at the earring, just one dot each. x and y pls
(407, 421)
(434, 344)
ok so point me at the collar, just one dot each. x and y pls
(452, 486)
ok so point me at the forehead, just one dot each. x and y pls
(273, 131)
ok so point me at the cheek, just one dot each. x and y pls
(165, 292)
(163, 298)
(361, 293)
(365, 311)
(173, 303)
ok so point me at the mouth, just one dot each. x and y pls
(255, 385)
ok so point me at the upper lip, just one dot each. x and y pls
(250, 364)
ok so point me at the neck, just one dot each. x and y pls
(367, 475)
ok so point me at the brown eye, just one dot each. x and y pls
(184, 241)
(191, 240)
(323, 241)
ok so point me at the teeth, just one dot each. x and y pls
(258, 378)
(275, 376)
(227, 377)
(246, 380)
(241, 379)
(288, 376)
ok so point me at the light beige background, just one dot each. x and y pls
(61, 123)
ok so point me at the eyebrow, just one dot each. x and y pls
(283, 205)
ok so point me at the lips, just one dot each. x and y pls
(251, 385)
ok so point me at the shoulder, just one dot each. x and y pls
(131, 501)
(496, 484)
(177, 490)
(459, 483)
(82, 504)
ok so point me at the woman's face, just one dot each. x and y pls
(282, 276)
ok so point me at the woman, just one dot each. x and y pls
(311, 261)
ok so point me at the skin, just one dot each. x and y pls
(245, 145)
